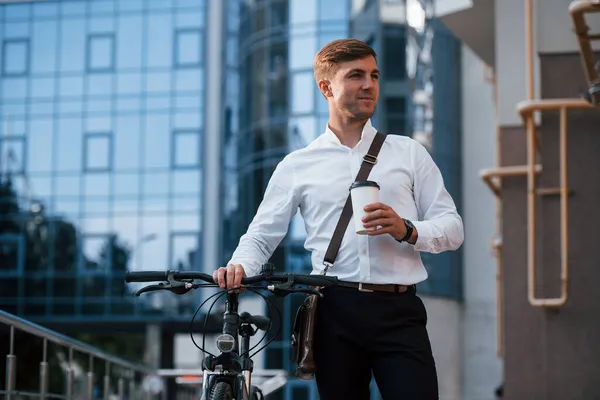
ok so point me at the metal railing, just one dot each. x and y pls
(121, 379)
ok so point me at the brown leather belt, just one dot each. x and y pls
(372, 287)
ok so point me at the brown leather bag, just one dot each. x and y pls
(303, 331)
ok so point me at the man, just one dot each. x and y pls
(378, 327)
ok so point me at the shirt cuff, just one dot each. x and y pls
(425, 236)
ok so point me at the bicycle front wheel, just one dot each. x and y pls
(221, 391)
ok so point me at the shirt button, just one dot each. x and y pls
(364, 252)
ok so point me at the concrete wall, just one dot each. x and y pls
(482, 368)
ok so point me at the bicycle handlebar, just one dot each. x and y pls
(301, 279)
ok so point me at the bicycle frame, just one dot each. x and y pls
(233, 366)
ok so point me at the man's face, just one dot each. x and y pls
(355, 88)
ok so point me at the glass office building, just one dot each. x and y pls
(102, 127)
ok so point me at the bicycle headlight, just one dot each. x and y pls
(225, 343)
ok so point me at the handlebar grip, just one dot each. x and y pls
(145, 276)
(316, 280)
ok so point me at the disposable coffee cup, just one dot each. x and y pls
(362, 193)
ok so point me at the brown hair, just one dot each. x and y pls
(338, 51)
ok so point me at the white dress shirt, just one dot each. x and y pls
(316, 180)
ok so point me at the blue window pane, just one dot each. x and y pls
(185, 152)
(100, 85)
(100, 53)
(190, 3)
(188, 121)
(102, 6)
(189, 80)
(189, 48)
(71, 86)
(15, 56)
(101, 25)
(14, 112)
(43, 9)
(42, 88)
(98, 124)
(39, 145)
(16, 30)
(302, 51)
(158, 82)
(190, 19)
(73, 8)
(333, 9)
(131, 5)
(303, 94)
(159, 34)
(15, 12)
(129, 36)
(129, 83)
(72, 46)
(156, 141)
(69, 145)
(97, 152)
(302, 11)
(14, 88)
(127, 143)
(45, 41)
(41, 108)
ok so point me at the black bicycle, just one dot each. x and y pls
(227, 375)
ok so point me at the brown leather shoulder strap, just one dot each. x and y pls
(369, 160)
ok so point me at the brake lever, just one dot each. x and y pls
(150, 288)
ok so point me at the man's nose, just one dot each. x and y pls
(368, 83)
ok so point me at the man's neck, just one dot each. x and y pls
(348, 132)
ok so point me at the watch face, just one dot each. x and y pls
(408, 223)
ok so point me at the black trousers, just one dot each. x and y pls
(380, 334)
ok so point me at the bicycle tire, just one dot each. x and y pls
(221, 391)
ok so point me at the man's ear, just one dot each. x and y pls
(325, 88)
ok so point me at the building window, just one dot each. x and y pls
(97, 152)
(188, 48)
(185, 149)
(13, 154)
(394, 49)
(396, 115)
(95, 253)
(15, 57)
(12, 248)
(101, 52)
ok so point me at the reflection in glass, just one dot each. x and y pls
(127, 143)
(12, 153)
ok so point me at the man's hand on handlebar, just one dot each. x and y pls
(230, 276)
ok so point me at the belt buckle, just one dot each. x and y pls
(360, 288)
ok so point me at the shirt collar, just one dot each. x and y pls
(368, 132)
